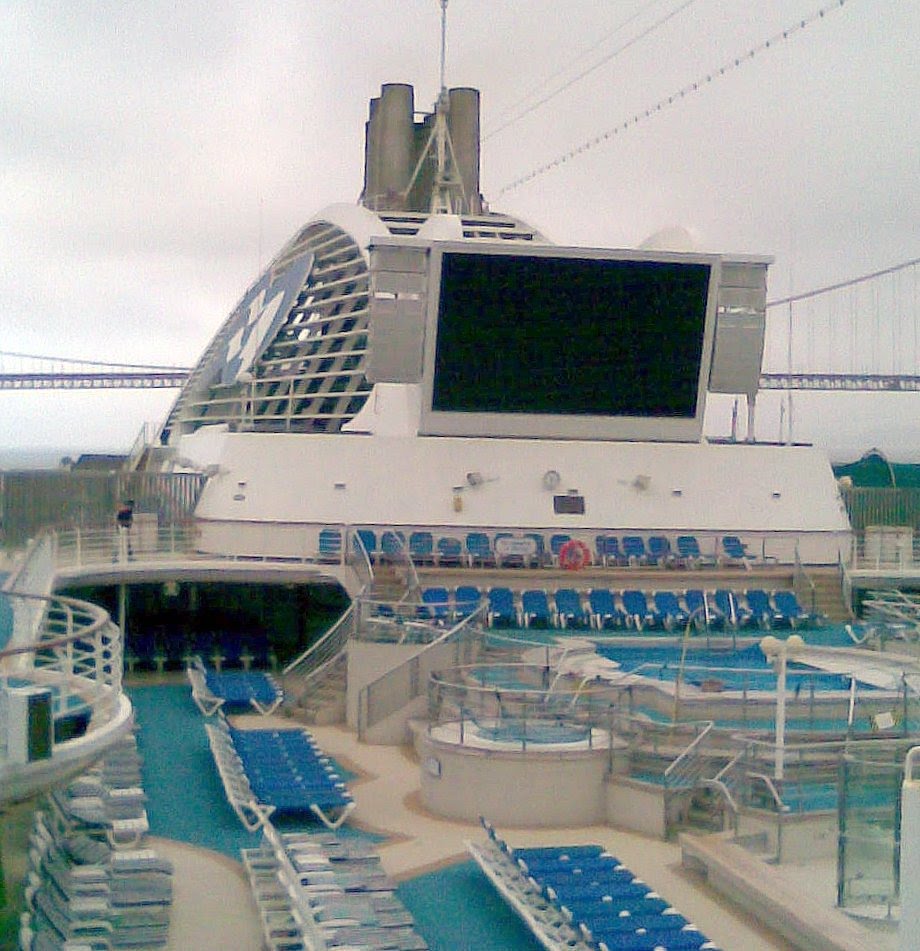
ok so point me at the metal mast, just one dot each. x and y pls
(447, 191)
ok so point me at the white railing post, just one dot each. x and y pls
(909, 928)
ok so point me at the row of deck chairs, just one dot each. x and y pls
(161, 649)
(233, 691)
(587, 898)
(269, 772)
(83, 888)
(322, 891)
(604, 609)
(485, 549)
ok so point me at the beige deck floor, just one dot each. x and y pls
(387, 801)
(214, 910)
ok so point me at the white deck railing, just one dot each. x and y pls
(76, 652)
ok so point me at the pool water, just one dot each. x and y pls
(742, 669)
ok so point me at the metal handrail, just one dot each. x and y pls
(418, 685)
(689, 764)
(326, 649)
(771, 787)
(727, 796)
(800, 577)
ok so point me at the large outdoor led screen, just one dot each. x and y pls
(535, 340)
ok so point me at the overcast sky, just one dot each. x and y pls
(153, 154)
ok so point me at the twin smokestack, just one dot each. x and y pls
(395, 141)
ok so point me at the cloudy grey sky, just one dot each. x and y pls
(154, 153)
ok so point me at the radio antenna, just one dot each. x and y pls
(443, 41)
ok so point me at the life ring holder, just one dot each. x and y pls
(574, 555)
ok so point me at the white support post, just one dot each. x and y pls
(909, 928)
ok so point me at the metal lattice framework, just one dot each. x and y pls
(311, 378)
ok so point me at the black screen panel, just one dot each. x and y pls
(569, 336)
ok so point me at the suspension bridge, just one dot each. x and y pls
(862, 334)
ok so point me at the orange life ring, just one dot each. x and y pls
(574, 555)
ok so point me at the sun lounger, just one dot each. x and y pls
(789, 609)
(604, 610)
(502, 611)
(735, 552)
(421, 548)
(634, 550)
(659, 551)
(435, 605)
(570, 612)
(235, 690)
(466, 600)
(669, 609)
(535, 610)
(638, 611)
(762, 611)
(608, 550)
(735, 613)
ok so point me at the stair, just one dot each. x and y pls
(323, 700)
(829, 598)
(389, 582)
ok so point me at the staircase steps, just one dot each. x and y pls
(829, 598)
(323, 700)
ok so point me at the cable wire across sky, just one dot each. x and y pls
(590, 69)
(681, 94)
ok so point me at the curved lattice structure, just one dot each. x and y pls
(302, 370)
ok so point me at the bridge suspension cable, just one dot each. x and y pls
(805, 295)
(70, 373)
(859, 334)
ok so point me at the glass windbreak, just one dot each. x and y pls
(868, 851)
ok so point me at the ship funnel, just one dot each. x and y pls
(400, 160)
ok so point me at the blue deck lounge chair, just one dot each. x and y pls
(435, 605)
(479, 549)
(607, 549)
(535, 610)
(392, 546)
(787, 605)
(330, 545)
(735, 613)
(605, 613)
(555, 545)
(703, 608)
(286, 770)
(735, 551)
(466, 600)
(421, 548)
(669, 609)
(762, 611)
(634, 549)
(659, 551)
(235, 691)
(638, 611)
(502, 612)
(570, 612)
(538, 558)
(450, 551)
(369, 541)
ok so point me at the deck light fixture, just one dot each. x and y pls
(777, 652)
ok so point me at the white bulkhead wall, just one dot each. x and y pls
(468, 483)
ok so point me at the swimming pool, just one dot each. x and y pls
(745, 668)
